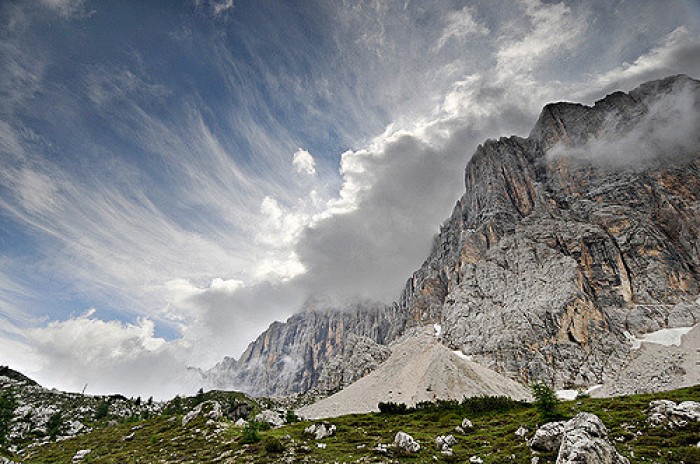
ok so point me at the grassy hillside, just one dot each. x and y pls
(164, 439)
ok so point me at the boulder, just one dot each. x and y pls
(665, 412)
(406, 443)
(548, 437)
(271, 417)
(521, 432)
(585, 441)
(209, 409)
(445, 441)
(80, 454)
(466, 424)
(321, 430)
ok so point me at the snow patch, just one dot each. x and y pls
(438, 330)
(466, 357)
(570, 395)
(666, 337)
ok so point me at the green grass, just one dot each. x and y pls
(163, 439)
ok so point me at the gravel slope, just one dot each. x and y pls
(655, 367)
(420, 368)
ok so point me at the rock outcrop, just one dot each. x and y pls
(585, 441)
(335, 346)
(666, 412)
(406, 443)
(550, 256)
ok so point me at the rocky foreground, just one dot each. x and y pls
(658, 428)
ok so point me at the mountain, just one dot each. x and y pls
(565, 245)
(290, 357)
(552, 254)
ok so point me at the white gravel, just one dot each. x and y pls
(420, 368)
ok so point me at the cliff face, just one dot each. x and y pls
(562, 243)
(290, 357)
(551, 254)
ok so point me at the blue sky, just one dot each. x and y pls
(174, 176)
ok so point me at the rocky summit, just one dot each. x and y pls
(564, 246)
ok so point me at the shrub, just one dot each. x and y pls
(482, 404)
(546, 402)
(291, 417)
(7, 412)
(54, 425)
(392, 408)
(174, 407)
(102, 410)
(273, 445)
(250, 433)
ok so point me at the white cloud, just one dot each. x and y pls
(667, 130)
(68, 9)
(108, 356)
(303, 162)
(459, 25)
(552, 27)
(678, 52)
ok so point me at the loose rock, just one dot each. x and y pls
(406, 443)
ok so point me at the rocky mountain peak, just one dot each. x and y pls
(562, 244)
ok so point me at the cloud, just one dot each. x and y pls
(68, 9)
(109, 356)
(552, 27)
(303, 162)
(218, 8)
(667, 130)
(678, 52)
(459, 25)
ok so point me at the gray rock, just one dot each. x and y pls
(666, 412)
(544, 256)
(585, 441)
(466, 424)
(208, 409)
(290, 357)
(521, 432)
(81, 454)
(548, 437)
(271, 417)
(406, 443)
(321, 430)
(445, 441)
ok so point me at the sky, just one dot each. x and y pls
(176, 175)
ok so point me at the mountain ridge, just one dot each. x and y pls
(547, 258)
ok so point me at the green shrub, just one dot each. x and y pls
(250, 433)
(546, 402)
(102, 410)
(273, 445)
(54, 425)
(7, 412)
(291, 417)
(392, 408)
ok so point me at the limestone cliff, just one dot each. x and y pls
(289, 357)
(551, 253)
